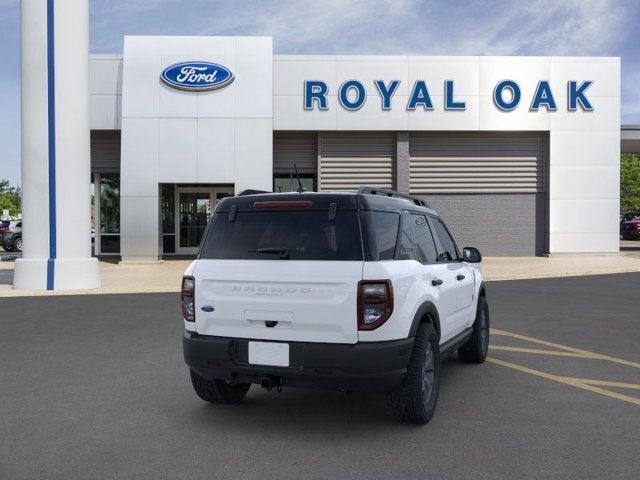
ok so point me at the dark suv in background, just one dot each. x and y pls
(11, 235)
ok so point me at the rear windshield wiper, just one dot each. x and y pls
(284, 254)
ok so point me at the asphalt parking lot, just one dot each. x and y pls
(95, 387)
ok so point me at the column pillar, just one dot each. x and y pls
(402, 162)
(56, 221)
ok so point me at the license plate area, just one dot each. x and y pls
(269, 353)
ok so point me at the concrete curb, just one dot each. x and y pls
(581, 273)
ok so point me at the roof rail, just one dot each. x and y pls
(250, 191)
(385, 192)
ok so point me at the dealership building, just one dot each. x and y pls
(519, 154)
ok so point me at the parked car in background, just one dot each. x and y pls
(11, 236)
(4, 226)
(626, 216)
(630, 225)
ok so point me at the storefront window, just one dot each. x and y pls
(109, 213)
(109, 204)
(167, 203)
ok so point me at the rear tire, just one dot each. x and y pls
(218, 391)
(414, 401)
(476, 348)
(17, 245)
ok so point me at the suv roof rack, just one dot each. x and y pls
(385, 192)
(251, 191)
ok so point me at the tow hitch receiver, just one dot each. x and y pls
(270, 382)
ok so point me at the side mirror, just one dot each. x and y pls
(471, 255)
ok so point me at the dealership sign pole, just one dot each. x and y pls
(55, 148)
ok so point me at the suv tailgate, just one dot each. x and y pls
(288, 300)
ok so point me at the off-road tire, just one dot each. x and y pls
(218, 391)
(413, 401)
(476, 348)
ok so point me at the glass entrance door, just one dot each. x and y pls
(194, 207)
(194, 210)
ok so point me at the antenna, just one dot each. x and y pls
(301, 188)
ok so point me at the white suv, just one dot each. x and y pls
(358, 291)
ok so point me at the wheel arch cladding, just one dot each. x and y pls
(427, 313)
(481, 291)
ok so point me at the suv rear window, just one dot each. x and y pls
(292, 234)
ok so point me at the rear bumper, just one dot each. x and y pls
(372, 367)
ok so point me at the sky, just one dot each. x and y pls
(425, 27)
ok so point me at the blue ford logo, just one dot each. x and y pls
(197, 76)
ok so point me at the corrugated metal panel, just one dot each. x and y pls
(476, 163)
(349, 160)
(295, 147)
(105, 151)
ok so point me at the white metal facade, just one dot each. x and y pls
(227, 136)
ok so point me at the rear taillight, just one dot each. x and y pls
(187, 299)
(375, 303)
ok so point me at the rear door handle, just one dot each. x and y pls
(436, 281)
(460, 277)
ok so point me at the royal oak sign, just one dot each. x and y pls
(506, 95)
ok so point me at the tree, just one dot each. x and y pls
(10, 198)
(630, 182)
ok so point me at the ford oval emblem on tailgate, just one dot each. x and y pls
(197, 76)
(207, 308)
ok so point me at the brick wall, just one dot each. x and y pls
(496, 224)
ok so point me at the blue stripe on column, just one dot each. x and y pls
(51, 111)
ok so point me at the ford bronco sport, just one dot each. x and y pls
(358, 291)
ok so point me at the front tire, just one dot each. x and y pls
(218, 391)
(476, 348)
(414, 401)
(17, 245)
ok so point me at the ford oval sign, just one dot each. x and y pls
(197, 76)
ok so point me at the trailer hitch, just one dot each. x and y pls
(268, 383)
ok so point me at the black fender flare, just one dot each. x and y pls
(427, 308)
(482, 291)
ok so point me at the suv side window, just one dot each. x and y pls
(380, 233)
(405, 249)
(447, 251)
(425, 245)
